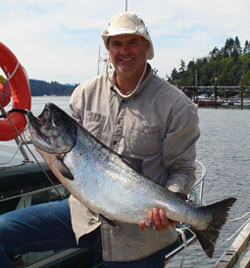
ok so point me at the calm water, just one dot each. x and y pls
(224, 148)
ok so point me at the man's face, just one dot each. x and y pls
(128, 53)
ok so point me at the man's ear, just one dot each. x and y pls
(147, 45)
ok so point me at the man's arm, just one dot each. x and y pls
(179, 159)
(179, 152)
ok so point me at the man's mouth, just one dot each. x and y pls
(127, 60)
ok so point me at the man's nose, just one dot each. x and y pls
(125, 49)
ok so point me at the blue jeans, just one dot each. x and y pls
(48, 227)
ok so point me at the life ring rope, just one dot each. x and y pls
(9, 76)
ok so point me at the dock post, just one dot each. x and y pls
(241, 93)
(215, 89)
(237, 255)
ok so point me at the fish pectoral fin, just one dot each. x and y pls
(64, 169)
(109, 221)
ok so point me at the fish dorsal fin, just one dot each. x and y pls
(64, 169)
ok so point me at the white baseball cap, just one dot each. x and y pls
(127, 23)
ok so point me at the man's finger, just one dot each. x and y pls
(173, 223)
(143, 225)
(164, 219)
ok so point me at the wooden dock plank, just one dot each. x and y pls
(231, 255)
(244, 260)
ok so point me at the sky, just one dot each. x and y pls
(59, 40)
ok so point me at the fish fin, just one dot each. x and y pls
(208, 237)
(64, 169)
(134, 163)
(109, 221)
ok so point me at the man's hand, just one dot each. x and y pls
(159, 220)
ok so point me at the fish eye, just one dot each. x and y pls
(57, 122)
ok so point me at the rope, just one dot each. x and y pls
(36, 160)
(237, 231)
(242, 217)
(23, 139)
(31, 193)
(9, 76)
(4, 114)
(230, 237)
(183, 237)
(21, 111)
(117, 89)
(10, 121)
(12, 157)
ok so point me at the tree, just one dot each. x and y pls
(228, 48)
(246, 78)
(246, 49)
(174, 74)
(214, 53)
(237, 46)
(229, 65)
(182, 66)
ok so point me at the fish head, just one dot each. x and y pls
(53, 131)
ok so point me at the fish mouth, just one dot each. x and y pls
(53, 131)
(38, 122)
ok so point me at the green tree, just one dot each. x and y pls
(246, 49)
(229, 64)
(174, 75)
(237, 50)
(182, 66)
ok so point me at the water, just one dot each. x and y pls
(224, 148)
(39, 102)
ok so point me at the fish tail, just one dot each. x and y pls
(208, 237)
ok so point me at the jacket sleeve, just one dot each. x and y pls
(179, 150)
(77, 103)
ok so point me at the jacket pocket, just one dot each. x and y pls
(94, 123)
(145, 141)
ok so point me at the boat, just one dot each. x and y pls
(28, 183)
(31, 182)
(204, 100)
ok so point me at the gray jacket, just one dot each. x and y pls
(157, 128)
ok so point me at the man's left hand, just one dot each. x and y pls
(159, 220)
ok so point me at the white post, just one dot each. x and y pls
(126, 5)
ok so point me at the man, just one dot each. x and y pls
(152, 124)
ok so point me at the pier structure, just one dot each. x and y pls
(227, 95)
(238, 254)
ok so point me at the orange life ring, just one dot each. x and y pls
(21, 97)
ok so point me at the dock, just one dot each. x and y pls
(238, 254)
(218, 95)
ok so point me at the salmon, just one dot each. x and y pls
(100, 178)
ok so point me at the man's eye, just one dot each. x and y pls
(116, 44)
(133, 42)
